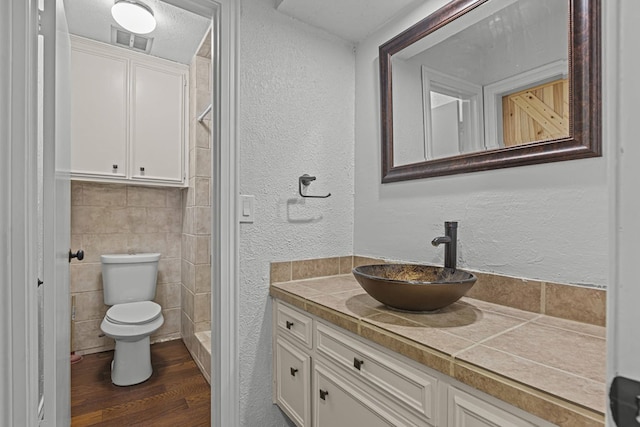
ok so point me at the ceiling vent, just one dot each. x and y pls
(131, 41)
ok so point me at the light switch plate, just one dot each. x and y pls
(246, 210)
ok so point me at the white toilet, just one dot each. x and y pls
(129, 283)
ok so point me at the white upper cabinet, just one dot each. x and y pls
(157, 121)
(129, 116)
(99, 112)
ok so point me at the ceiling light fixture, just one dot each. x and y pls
(134, 16)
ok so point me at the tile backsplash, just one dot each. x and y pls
(115, 218)
(578, 303)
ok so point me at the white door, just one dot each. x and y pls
(56, 213)
(621, 111)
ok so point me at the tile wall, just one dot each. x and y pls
(578, 303)
(196, 225)
(114, 218)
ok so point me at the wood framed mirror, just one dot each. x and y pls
(481, 85)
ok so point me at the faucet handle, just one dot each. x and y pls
(439, 240)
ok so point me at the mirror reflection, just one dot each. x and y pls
(495, 77)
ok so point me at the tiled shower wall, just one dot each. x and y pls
(196, 227)
(114, 218)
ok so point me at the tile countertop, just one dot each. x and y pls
(550, 367)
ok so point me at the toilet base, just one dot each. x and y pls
(131, 362)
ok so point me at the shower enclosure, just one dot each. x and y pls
(196, 224)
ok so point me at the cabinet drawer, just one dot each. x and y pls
(465, 410)
(294, 324)
(293, 382)
(405, 384)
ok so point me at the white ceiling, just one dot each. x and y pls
(176, 37)
(351, 20)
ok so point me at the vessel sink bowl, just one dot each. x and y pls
(412, 287)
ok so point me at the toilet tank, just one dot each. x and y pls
(129, 277)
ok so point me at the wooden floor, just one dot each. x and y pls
(176, 394)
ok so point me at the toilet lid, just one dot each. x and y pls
(134, 313)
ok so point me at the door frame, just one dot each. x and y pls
(620, 130)
(225, 371)
(18, 213)
(18, 220)
(56, 212)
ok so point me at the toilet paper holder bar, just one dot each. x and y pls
(306, 180)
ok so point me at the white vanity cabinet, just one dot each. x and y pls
(343, 380)
(129, 115)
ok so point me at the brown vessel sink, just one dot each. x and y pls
(412, 287)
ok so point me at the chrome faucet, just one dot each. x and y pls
(450, 240)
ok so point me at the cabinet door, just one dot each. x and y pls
(339, 403)
(468, 411)
(99, 99)
(157, 122)
(293, 382)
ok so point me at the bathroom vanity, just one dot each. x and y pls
(342, 358)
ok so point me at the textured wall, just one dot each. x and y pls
(296, 116)
(196, 208)
(114, 218)
(546, 222)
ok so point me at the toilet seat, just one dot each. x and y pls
(134, 313)
(130, 332)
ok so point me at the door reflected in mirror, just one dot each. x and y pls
(485, 84)
(536, 114)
